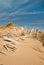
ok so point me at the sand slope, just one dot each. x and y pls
(20, 51)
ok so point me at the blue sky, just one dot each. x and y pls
(29, 13)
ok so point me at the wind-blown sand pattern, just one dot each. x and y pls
(20, 46)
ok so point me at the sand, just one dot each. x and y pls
(27, 52)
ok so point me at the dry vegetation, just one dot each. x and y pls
(11, 31)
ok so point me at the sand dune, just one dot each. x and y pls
(20, 46)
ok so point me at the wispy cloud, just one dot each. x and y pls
(25, 13)
(29, 4)
(21, 1)
(4, 4)
(7, 16)
(3, 14)
(7, 3)
(22, 10)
